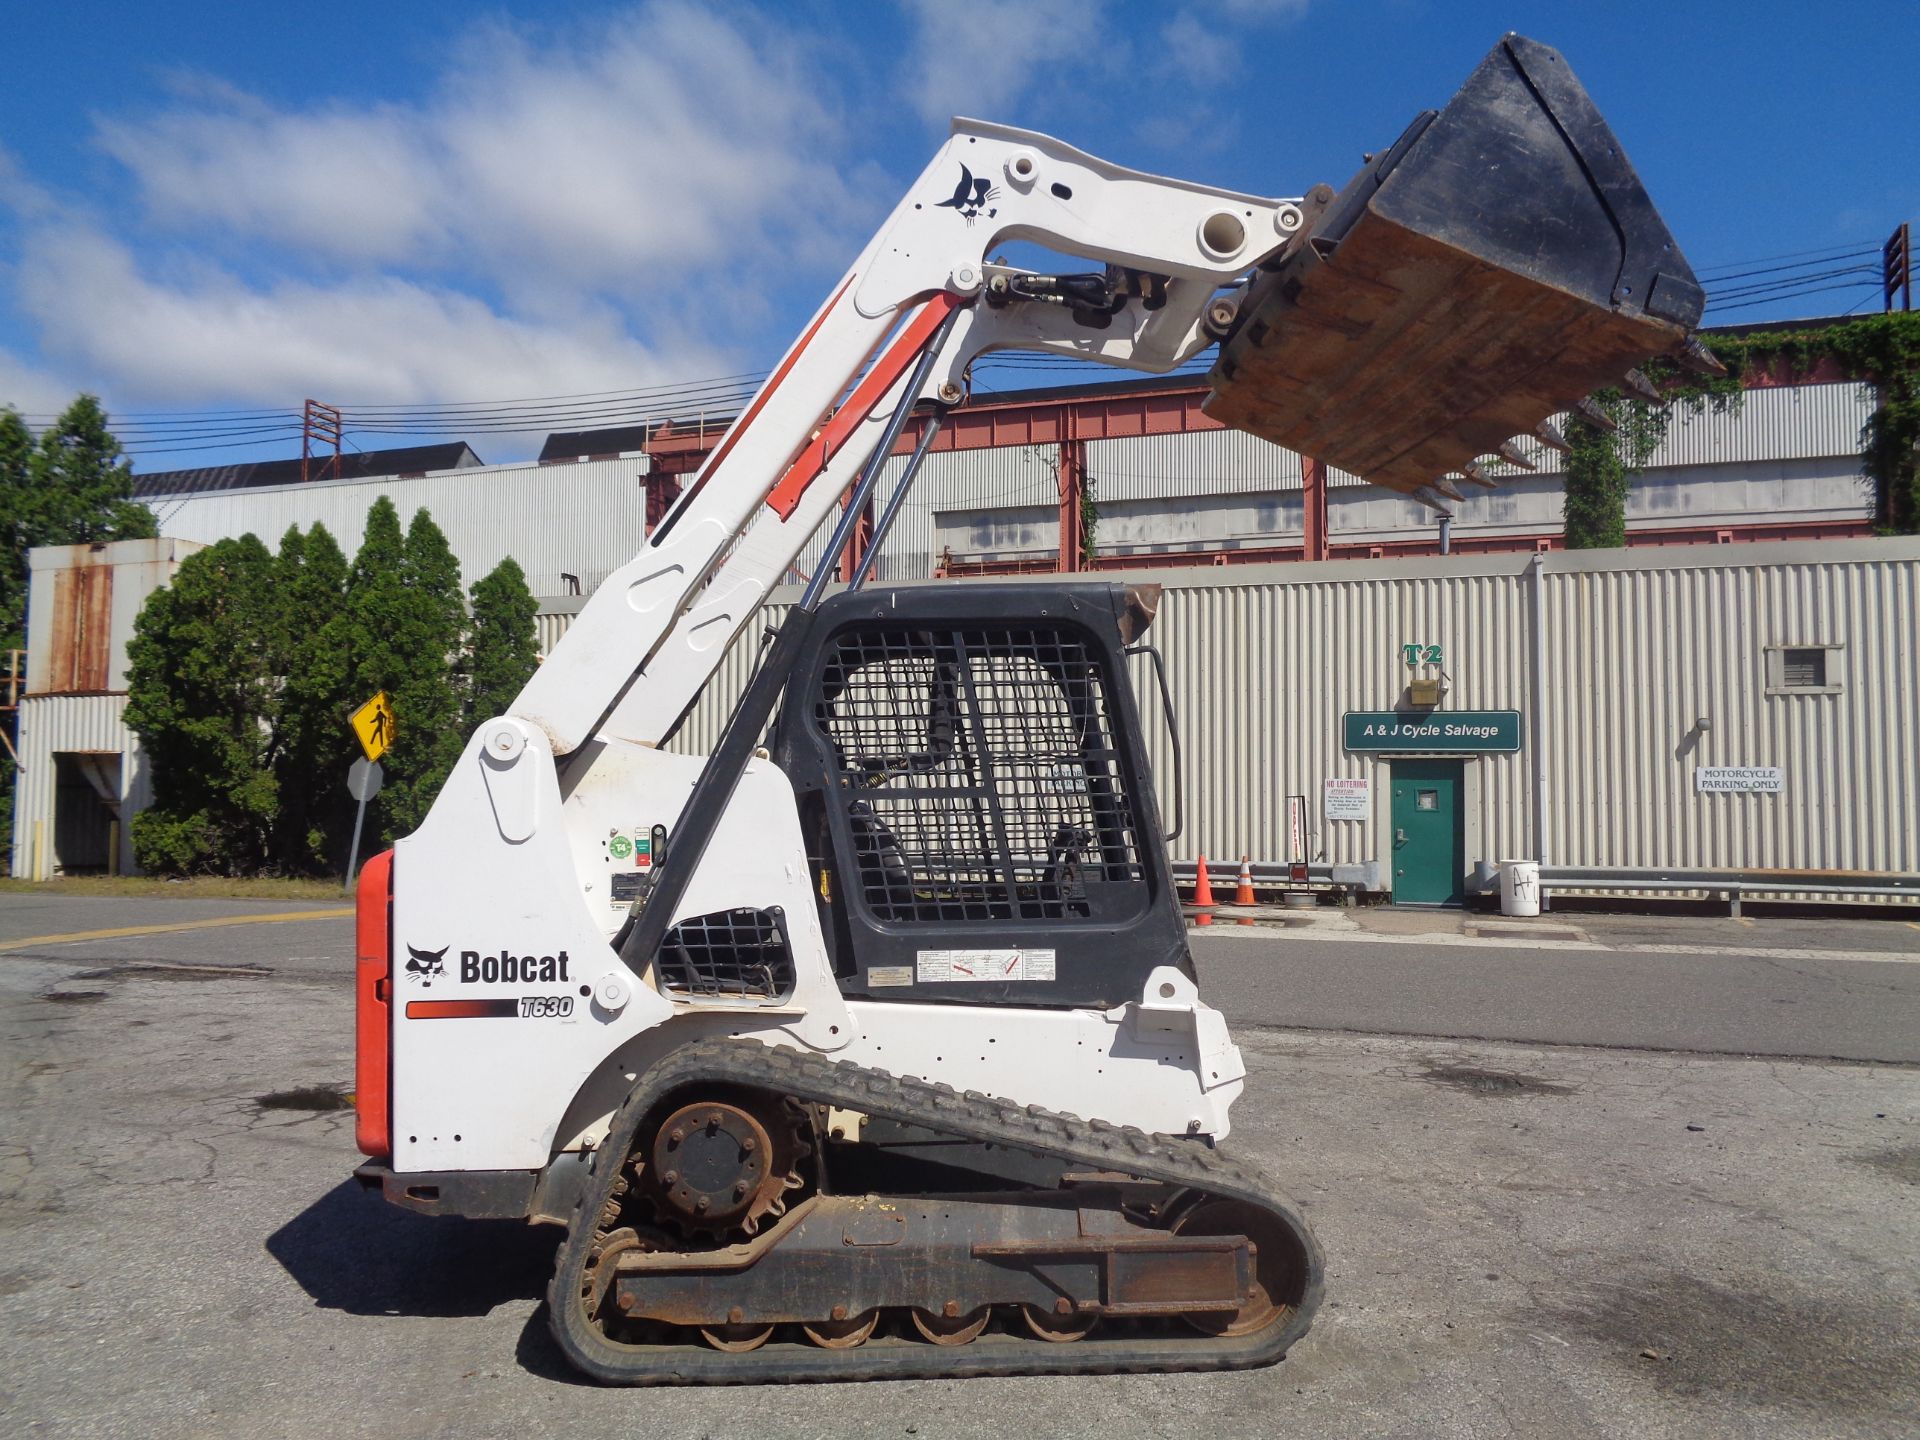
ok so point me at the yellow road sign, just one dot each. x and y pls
(373, 723)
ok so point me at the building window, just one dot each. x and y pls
(1803, 670)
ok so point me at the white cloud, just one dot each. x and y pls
(621, 157)
(1195, 53)
(976, 59)
(31, 389)
(1257, 10)
(360, 341)
(616, 205)
(352, 185)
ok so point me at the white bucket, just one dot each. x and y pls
(1519, 887)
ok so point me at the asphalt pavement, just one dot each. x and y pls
(1540, 1238)
(1695, 999)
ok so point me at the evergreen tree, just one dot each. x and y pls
(505, 646)
(16, 456)
(200, 690)
(81, 485)
(313, 746)
(16, 447)
(405, 618)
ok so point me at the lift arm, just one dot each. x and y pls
(781, 466)
(1485, 271)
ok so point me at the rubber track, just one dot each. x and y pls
(816, 1079)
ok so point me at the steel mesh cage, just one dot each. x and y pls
(979, 773)
(740, 953)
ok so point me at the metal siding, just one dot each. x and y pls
(82, 601)
(1263, 665)
(53, 723)
(585, 518)
(1262, 675)
(1790, 422)
(1206, 462)
(1635, 658)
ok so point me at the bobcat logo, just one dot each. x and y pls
(427, 963)
(970, 197)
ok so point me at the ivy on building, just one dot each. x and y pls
(1881, 350)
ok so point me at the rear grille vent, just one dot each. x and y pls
(741, 953)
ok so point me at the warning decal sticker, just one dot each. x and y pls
(948, 967)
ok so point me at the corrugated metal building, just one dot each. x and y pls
(1265, 654)
(1785, 455)
(82, 776)
(567, 525)
(1788, 456)
(1738, 706)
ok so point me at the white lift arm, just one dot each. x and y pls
(651, 635)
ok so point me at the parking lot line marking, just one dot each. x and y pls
(126, 931)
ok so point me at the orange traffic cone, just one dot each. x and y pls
(1243, 893)
(1203, 893)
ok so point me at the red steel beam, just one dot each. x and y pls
(949, 565)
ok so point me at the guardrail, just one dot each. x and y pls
(1732, 885)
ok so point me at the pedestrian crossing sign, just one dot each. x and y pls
(373, 723)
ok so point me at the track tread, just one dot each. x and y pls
(818, 1079)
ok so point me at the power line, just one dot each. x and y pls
(1805, 257)
(1768, 280)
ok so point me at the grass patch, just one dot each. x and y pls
(200, 887)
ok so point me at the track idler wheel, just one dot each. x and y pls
(843, 1332)
(951, 1329)
(1057, 1326)
(719, 1168)
(1280, 1272)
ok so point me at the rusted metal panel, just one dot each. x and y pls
(82, 601)
(82, 628)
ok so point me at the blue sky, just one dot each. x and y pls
(237, 205)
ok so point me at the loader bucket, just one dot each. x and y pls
(1495, 265)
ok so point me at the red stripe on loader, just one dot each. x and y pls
(849, 417)
(463, 1009)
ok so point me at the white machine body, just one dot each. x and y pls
(516, 1025)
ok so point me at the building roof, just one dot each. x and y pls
(595, 444)
(363, 465)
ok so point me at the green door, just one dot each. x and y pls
(1429, 833)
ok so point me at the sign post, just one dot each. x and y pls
(373, 725)
(363, 783)
(1296, 838)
